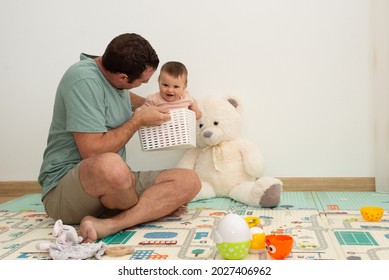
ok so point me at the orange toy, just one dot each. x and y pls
(372, 213)
(279, 246)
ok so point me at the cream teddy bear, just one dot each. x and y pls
(227, 165)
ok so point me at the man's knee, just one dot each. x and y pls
(108, 164)
(186, 180)
(108, 169)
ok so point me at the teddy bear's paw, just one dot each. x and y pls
(271, 189)
(271, 197)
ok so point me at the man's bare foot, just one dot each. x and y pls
(92, 228)
(180, 210)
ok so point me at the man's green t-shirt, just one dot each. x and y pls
(85, 102)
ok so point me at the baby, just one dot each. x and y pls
(172, 81)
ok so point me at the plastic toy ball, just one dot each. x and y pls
(232, 237)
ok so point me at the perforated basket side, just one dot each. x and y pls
(180, 131)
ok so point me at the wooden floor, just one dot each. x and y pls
(12, 189)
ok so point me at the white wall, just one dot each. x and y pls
(302, 68)
(381, 92)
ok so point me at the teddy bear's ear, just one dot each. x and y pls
(235, 102)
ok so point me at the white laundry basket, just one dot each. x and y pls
(179, 132)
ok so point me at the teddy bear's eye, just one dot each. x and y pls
(215, 123)
(201, 125)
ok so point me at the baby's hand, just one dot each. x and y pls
(198, 114)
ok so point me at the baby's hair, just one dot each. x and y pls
(175, 69)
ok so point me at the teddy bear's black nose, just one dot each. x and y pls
(207, 134)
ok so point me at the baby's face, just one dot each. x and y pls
(171, 88)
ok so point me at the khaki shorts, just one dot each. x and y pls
(69, 202)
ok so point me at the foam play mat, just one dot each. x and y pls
(324, 226)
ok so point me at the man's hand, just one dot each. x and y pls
(91, 144)
(151, 116)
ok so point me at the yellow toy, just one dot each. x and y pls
(258, 236)
(372, 213)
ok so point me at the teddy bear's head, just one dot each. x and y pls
(220, 121)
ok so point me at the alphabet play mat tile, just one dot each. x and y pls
(323, 225)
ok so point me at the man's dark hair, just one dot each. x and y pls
(130, 54)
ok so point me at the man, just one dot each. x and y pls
(84, 175)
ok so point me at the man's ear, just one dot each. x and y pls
(123, 77)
